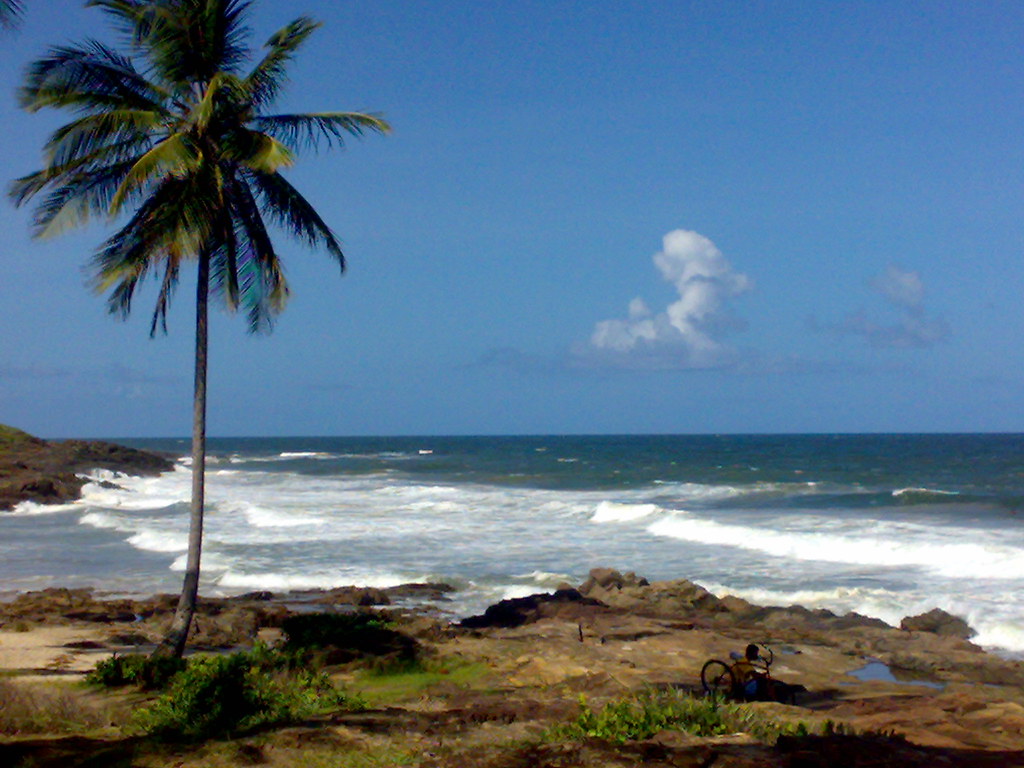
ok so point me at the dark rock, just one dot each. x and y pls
(261, 596)
(420, 591)
(563, 604)
(362, 596)
(609, 578)
(938, 622)
(127, 638)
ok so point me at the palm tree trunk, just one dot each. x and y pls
(174, 642)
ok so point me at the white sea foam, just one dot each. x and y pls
(879, 603)
(545, 578)
(923, 492)
(261, 517)
(1000, 634)
(209, 561)
(612, 512)
(949, 552)
(285, 581)
(101, 520)
(279, 529)
(156, 541)
(33, 509)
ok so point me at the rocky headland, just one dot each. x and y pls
(49, 472)
(921, 694)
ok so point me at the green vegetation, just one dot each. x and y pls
(234, 693)
(321, 630)
(147, 672)
(11, 437)
(221, 695)
(645, 714)
(395, 683)
(344, 637)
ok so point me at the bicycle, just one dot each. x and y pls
(726, 681)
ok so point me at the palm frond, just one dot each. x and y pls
(268, 76)
(312, 128)
(102, 137)
(172, 266)
(173, 136)
(173, 222)
(174, 156)
(281, 202)
(78, 197)
(189, 41)
(263, 287)
(257, 151)
(87, 77)
(10, 13)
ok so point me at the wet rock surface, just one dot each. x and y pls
(939, 622)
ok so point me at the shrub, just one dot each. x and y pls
(347, 636)
(147, 672)
(643, 715)
(222, 695)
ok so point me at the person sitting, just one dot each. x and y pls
(750, 679)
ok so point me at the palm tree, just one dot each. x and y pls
(182, 145)
(10, 10)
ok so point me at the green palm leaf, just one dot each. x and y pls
(310, 129)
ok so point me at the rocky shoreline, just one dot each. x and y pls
(611, 634)
(950, 702)
(48, 472)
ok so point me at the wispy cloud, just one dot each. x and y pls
(689, 332)
(912, 326)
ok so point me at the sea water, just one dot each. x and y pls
(884, 525)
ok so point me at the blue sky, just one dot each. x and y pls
(591, 217)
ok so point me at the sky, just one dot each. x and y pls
(591, 217)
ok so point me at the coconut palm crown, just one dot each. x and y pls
(174, 140)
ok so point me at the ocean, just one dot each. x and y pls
(884, 525)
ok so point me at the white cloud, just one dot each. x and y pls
(903, 288)
(912, 327)
(688, 332)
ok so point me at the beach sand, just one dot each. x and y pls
(44, 651)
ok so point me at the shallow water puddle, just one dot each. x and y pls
(879, 671)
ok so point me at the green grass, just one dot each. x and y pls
(35, 708)
(398, 683)
(11, 437)
(648, 712)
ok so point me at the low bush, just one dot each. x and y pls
(223, 695)
(344, 637)
(147, 672)
(647, 713)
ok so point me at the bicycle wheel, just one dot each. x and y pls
(717, 678)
